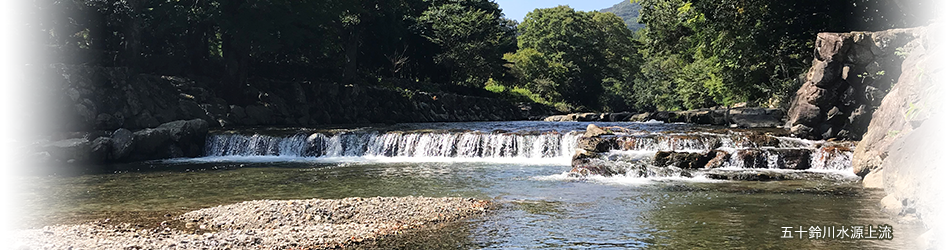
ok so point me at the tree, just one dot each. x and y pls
(473, 37)
(573, 56)
(698, 53)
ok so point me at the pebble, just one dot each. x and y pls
(264, 224)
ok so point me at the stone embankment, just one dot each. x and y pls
(103, 98)
(737, 117)
(123, 116)
(264, 224)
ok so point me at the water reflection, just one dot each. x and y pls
(537, 205)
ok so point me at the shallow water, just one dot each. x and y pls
(538, 205)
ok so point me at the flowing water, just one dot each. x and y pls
(522, 166)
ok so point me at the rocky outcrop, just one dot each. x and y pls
(902, 150)
(738, 117)
(105, 99)
(912, 101)
(913, 174)
(617, 151)
(850, 75)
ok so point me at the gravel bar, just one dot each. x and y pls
(264, 224)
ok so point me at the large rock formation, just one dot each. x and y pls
(912, 100)
(850, 75)
(902, 151)
(885, 89)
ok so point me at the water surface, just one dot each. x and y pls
(538, 204)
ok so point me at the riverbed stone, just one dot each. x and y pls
(683, 160)
(151, 143)
(101, 149)
(75, 150)
(718, 159)
(874, 179)
(189, 136)
(122, 140)
(595, 131)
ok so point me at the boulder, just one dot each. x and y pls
(683, 160)
(755, 121)
(642, 117)
(74, 150)
(907, 102)
(595, 131)
(914, 172)
(122, 144)
(189, 136)
(752, 158)
(151, 144)
(792, 158)
(557, 118)
(594, 144)
(101, 150)
(717, 159)
(108, 122)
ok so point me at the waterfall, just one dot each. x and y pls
(397, 144)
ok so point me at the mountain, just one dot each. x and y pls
(629, 11)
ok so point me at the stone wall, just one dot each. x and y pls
(105, 99)
(111, 115)
(850, 75)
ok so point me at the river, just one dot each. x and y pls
(521, 166)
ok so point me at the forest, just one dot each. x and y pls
(688, 53)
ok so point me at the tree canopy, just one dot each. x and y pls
(688, 54)
(699, 53)
(573, 56)
(453, 42)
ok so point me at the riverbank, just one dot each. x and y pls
(268, 224)
(737, 117)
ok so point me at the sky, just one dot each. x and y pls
(517, 9)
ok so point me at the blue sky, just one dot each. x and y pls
(517, 9)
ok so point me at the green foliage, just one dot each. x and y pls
(701, 53)
(473, 37)
(689, 53)
(454, 42)
(574, 56)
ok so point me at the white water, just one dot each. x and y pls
(398, 146)
(550, 148)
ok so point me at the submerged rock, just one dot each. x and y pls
(773, 175)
